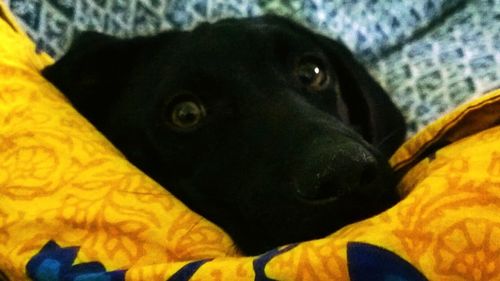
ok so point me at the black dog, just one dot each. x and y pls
(272, 132)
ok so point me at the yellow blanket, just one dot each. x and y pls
(72, 208)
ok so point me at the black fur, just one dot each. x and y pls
(274, 160)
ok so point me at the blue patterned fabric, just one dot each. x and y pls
(365, 262)
(54, 263)
(430, 55)
(371, 263)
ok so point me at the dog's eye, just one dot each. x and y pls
(311, 73)
(184, 113)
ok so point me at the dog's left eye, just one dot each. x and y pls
(184, 113)
(311, 72)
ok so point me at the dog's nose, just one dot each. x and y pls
(349, 171)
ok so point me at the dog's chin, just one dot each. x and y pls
(302, 219)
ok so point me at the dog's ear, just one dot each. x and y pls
(365, 99)
(96, 69)
(91, 73)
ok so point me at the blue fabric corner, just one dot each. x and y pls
(372, 263)
(54, 263)
(51, 263)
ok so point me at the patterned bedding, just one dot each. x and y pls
(430, 55)
(73, 209)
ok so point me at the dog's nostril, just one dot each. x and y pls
(328, 189)
(340, 182)
(318, 189)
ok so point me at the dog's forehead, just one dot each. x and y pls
(234, 54)
(250, 37)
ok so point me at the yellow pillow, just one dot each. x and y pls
(72, 208)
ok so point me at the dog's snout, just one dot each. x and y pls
(340, 173)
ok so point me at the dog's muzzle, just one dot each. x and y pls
(331, 173)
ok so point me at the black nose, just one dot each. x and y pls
(335, 173)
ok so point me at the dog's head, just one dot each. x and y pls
(271, 131)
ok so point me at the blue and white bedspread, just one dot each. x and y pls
(430, 55)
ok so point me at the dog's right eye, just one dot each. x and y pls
(184, 112)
